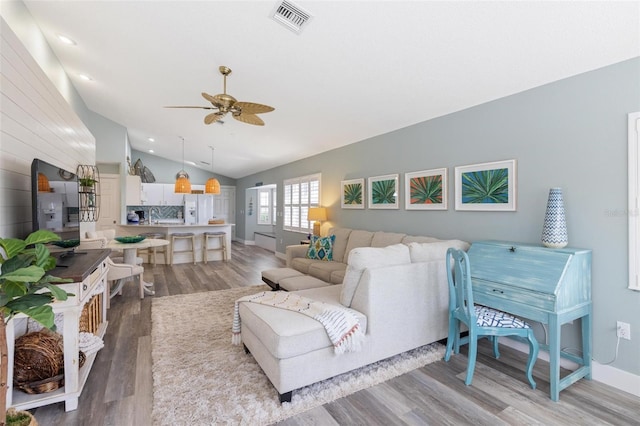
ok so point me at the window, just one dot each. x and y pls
(267, 206)
(300, 194)
(634, 201)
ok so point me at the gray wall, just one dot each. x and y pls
(571, 133)
(165, 170)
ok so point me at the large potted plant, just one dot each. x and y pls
(25, 287)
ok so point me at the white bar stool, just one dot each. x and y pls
(189, 236)
(222, 245)
(152, 251)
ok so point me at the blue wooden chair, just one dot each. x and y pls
(480, 320)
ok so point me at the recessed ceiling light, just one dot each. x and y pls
(66, 40)
(151, 151)
(151, 139)
(85, 77)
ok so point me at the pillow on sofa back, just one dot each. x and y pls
(361, 258)
(340, 243)
(357, 238)
(426, 252)
(321, 248)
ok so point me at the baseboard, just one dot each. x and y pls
(606, 374)
(282, 256)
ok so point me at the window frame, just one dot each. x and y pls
(271, 218)
(634, 201)
(293, 202)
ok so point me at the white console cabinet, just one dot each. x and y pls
(88, 271)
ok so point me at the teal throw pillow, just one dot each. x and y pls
(321, 247)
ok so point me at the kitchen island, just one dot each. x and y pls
(171, 228)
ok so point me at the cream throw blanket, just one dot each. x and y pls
(342, 326)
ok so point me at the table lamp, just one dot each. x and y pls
(317, 214)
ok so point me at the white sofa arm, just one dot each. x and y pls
(296, 251)
(405, 302)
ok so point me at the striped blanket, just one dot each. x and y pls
(342, 326)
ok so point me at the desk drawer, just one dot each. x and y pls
(497, 291)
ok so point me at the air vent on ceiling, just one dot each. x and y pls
(291, 16)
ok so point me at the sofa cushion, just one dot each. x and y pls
(357, 238)
(321, 248)
(285, 333)
(426, 252)
(302, 264)
(323, 270)
(337, 277)
(301, 282)
(362, 258)
(417, 239)
(340, 243)
(383, 239)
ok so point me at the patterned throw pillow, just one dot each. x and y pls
(321, 247)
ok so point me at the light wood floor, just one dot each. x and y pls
(119, 389)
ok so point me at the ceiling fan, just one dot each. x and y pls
(224, 103)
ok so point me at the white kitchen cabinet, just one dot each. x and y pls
(170, 197)
(134, 191)
(153, 194)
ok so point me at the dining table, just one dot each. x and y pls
(130, 250)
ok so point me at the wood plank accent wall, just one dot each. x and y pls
(35, 122)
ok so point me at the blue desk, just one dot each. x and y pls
(551, 286)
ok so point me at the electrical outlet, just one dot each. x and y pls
(623, 330)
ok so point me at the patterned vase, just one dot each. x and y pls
(554, 231)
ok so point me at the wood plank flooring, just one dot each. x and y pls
(119, 390)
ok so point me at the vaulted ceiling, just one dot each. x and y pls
(356, 70)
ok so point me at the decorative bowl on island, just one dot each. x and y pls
(130, 239)
(66, 243)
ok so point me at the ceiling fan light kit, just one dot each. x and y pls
(182, 185)
(224, 103)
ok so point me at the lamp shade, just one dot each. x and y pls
(318, 213)
(183, 185)
(43, 183)
(212, 186)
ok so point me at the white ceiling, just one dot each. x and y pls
(359, 69)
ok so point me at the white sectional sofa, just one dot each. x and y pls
(398, 293)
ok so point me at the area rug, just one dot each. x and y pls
(200, 378)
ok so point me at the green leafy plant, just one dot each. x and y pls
(486, 186)
(353, 193)
(383, 191)
(88, 182)
(25, 287)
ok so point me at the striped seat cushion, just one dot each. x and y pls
(487, 317)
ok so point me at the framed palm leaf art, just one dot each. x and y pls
(426, 190)
(383, 192)
(352, 194)
(486, 186)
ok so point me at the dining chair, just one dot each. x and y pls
(118, 274)
(481, 321)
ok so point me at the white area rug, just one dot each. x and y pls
(200, 378)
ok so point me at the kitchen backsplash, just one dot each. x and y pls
(166, 212)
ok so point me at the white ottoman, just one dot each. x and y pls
(303, 282)
(273, 276)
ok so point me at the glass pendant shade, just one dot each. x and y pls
(212, 186)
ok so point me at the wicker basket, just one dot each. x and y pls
(91, 316)
(39, 362)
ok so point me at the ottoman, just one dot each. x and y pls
(273, 276)
(303, 282)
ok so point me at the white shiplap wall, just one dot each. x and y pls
(35, 122)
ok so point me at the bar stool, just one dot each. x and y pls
(151, 251)
(183, 236)
(222, 237)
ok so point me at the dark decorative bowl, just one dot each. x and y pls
(66, 243)
(130, 239)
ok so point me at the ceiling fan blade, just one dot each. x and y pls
(213, 117)
(249, 119)
(182, 106)
(252, 108)
(209, 98)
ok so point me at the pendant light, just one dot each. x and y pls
(182, 186)
(212, 186)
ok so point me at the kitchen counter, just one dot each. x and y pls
(171, 228)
